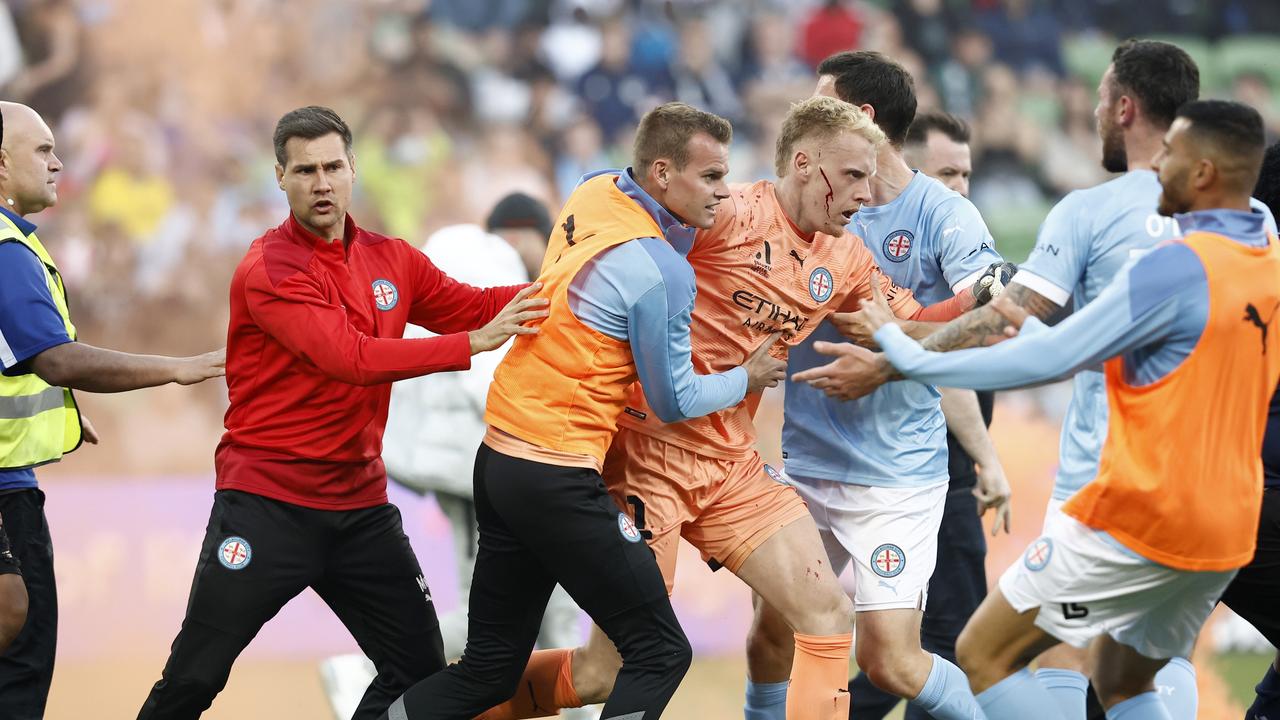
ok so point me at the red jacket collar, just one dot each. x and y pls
(350, 232)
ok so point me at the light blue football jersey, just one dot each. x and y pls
(1084, 242)
(930, 240)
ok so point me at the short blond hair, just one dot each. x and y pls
(822, 117)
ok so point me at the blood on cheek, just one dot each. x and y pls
(831, 192)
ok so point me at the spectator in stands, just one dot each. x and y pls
(769, 57)
(1025, 34)
(697, 76)
(931, 29)
(608, 91)
(959, 78)
(53, 42)
(833, 26)
(582, 151)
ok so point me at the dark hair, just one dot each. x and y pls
(1268, 188)
(1234, 135)
(309, 123)
(519, 210)
(865, 77)
(666, 130)
(1162, 77)
(937, 121)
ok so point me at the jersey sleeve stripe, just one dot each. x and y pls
(1045, 287)
(967, 280)
(7, 358)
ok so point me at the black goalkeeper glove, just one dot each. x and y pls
(992, 282)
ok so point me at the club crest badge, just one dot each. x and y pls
(234, 553)
(821, 284)
(385, 295)
(1038, 554)
(897, 247)
(888, 560)
(629, 531)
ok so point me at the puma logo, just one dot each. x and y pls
(568, 231)
(1252, 315)
(796, 255)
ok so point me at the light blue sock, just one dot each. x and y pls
(1176, 685)
(1069, 688)
(946, 694)
(1146, 706)
(1019, 697)
(766, 701)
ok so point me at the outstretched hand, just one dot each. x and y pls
(517, 318)
(854, 373)
(199, 368)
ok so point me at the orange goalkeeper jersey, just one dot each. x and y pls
(757, 275)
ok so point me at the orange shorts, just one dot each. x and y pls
(725, 508)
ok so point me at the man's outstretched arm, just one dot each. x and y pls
(984, 326)
(1153, 299)
(79, 366)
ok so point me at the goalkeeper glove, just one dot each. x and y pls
(992, 282)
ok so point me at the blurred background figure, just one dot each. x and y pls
(938, 146)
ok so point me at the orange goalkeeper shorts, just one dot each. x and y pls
(724, 508)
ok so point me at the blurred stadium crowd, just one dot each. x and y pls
(163, 110)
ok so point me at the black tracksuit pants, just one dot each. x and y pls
(540, 525)
(258, 554)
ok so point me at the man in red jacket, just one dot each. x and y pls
(318, 309)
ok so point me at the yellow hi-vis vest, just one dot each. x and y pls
(39, 422)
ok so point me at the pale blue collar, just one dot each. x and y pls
(1244, 226)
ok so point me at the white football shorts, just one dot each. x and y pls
(890, 535)
(1086, 583)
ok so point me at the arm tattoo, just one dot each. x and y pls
(1033, 302)
(977, 327)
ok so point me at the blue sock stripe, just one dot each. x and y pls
(1060, 677)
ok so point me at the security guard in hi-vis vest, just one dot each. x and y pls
(39, 421)
(621, 297)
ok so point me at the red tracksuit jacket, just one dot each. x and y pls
(313, 346)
